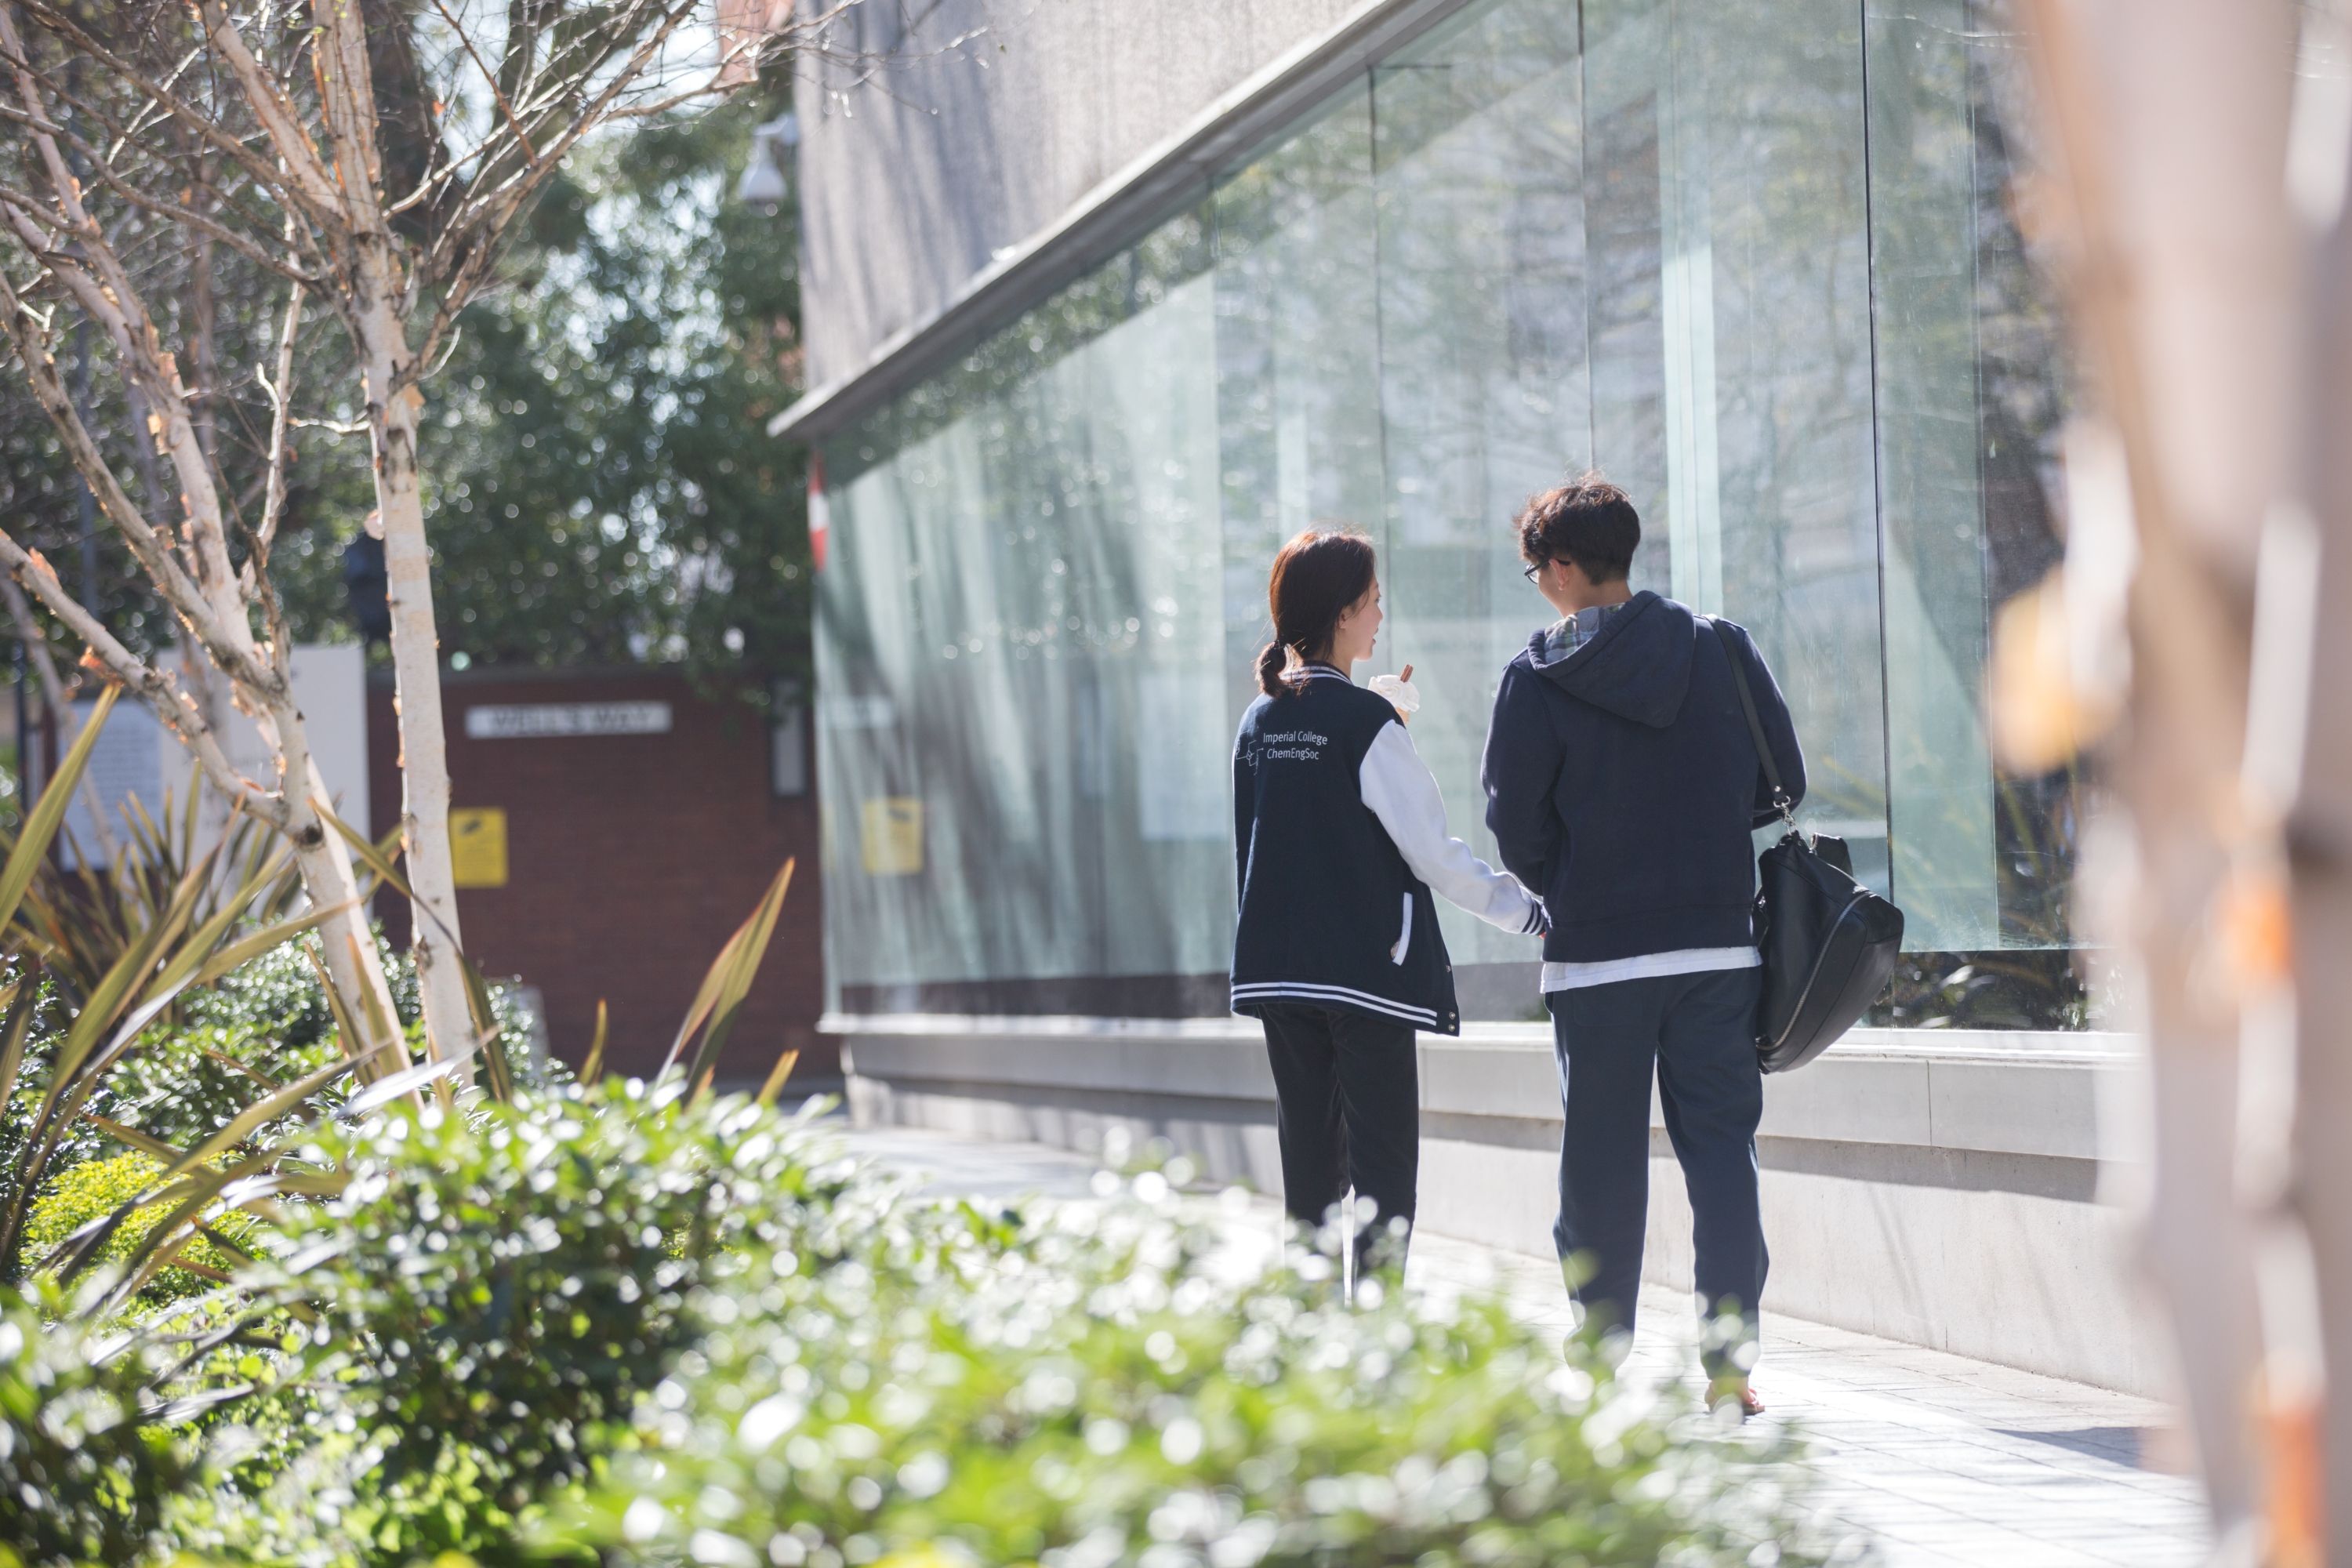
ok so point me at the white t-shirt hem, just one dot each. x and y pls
(1647, 965)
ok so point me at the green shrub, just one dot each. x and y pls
(605, 1328)
(185, 1082)
(277, 1004)
(275, 998)
(78, 1143)
(485, 1305)
(1112, 1386)
(82, 1480)
(94, 1189)
(498, 1283)
(265, 1023)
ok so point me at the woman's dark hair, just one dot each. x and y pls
(1587, 520)
(1317, 577)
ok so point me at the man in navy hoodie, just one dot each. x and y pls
(1623, 785)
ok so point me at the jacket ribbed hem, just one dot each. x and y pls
(1249, 996)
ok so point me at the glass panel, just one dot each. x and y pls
(1971, 403)
(1640, 234)
(1484, 386)
(1730, 324)
(1024, 722)
(1297, 357)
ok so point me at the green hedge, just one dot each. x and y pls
(83, 1479)
(499, 1282)
(485, 1306)
(596, 1327)
(1124, 1384)
(94, 1189)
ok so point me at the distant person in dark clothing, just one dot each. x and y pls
(1338, 839)
(1623, 785)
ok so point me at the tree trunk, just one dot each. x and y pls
(2319, 848)
(434, 938)
(2196, 1242)
(2185, 275)
(191, 565)
(354, 966)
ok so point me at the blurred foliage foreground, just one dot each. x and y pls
(600, 1325)
(260, 1304)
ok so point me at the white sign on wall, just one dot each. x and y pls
(533, 720)
(126, 763)
(135, 757)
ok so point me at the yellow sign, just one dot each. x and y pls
(477, 845)
(890, 836)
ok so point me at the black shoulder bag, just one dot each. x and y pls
(1829, 942)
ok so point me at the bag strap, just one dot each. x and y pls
(1755, 723)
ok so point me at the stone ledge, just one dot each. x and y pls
(1941, 1192)
(2035, 1095)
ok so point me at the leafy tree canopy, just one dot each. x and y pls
(599, 487)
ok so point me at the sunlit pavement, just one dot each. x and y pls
(1943, 1461)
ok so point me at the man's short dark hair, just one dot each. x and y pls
(1587, 520)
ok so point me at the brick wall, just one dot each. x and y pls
(631, 859)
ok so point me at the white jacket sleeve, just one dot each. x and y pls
(1396, 785)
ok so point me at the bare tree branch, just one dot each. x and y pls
(281, 405)
(29, 338)
(281, 142)
(147, 201)
(498, 85)
(307, 174)
(69, 32)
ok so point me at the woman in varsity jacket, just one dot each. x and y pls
(1340, 837)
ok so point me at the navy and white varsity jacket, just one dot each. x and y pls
(1338, 836)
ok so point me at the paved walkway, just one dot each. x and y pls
(1944, 1462)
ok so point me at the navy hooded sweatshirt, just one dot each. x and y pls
(1622, 784)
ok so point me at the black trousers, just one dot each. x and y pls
(1348, 1098)
(1696, 1031)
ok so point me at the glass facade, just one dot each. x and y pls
(1753, 260)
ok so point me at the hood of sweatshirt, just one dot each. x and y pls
(1637, 666)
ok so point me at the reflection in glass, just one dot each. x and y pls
(1732, 350)
(1024, 717)
(1484, 384)
(1297, 357)
(1969, 409)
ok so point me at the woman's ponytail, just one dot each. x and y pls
(1271, 659)
(1316, 578)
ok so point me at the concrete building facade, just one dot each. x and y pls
(1106, 300)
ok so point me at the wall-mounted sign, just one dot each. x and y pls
(477, 845)
(890, 836)
(127, 763)
(534, 721)
(134, 755)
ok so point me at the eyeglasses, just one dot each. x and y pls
(1534, 572)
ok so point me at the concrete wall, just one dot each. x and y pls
(947, 152)
(1942, 1196)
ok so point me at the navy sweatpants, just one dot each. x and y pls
(1696, 1031)
(1347, 1109)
